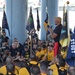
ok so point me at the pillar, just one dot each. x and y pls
(43, 17)
(52, 6)
(16, 11)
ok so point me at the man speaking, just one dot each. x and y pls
(55, 34)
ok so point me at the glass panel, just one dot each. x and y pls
(2, 3)
(71, 12)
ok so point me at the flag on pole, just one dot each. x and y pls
(46, 24)
(74, 30)
(5, 23)
(64, 31)
(71, 51)
(38, 21)
(30, 23)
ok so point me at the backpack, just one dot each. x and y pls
(60, 72)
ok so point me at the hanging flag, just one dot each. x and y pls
(38, 21)
(46, 24)
(74, 30)
(64, 31)
(30, 23)
(5, 23)
(71, 51)
(71, 32)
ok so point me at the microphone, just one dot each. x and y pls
(51, 25)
